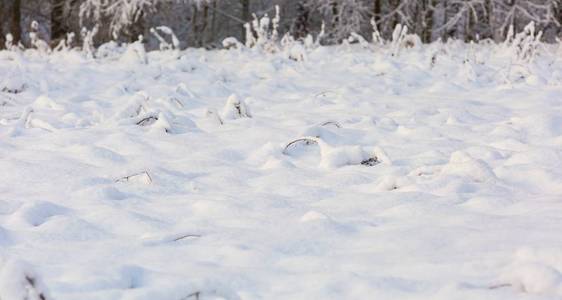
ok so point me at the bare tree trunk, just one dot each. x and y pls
(469, 30)
(335, 13)
(419, 17)
(245, 16)
(195, 25)
(445, 31)
(429, 11)
(335, 20)
(213, 35)
(16, 21)
(301, 25)
(204, 24)
(377, 10)
(2, 17)
(395, 19)
(490, 19)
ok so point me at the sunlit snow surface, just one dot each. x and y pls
(120, 180)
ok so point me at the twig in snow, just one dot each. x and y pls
(32, 286)
(192, 295)
(177, 101)
(186, 236)
(147, 121)
(7, 101)
(147, 177)
(306, 141)
(325, 93)
(13, 90)
(212, 113)
(499, 286)
(338, 125)
(373, 161)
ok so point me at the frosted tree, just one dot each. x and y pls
(125, 17)
(518, 13)
(343, 16)
(61, 17)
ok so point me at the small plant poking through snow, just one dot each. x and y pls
(232, 43)
(262, 33)
(357, 38)
(37, 42)
(524, 45)
(331, 123)
(292, 49)
(10, 43)
(19, 282)
(141, 177)
(303, 141)
(334, 157)
(376, 36)
(12, 85)
(88, 41)
(66, 44)
(398, 37)
(213, 114)
(235, 109)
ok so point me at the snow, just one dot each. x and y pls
(168, 176)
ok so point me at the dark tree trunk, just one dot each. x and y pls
(429, 15)
(377, 10)
(204, 23)
(58, 26)
(395, 19)
(335, 20)
(469, 32)
(15, 26)
(245, 16)
(2, 17)
(335, 14)
(490, 19)
(302, 21)
(213, 35)
(445, 30)
(195, 24)
(136, 29)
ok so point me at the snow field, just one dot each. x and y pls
(173, 179)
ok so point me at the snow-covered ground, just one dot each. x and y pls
(171, 180)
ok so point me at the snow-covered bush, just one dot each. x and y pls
(376, 35)
(88, 40)
(262, 33)
(292, 49)
(231, 43)
(66, 44)
(398, 38)
(235, 109)
(37, 42)
(9, 44)
(524, 45)
(357, 38)
(173, 44)
(135, 53)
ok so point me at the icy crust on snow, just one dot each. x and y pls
(351, 174)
